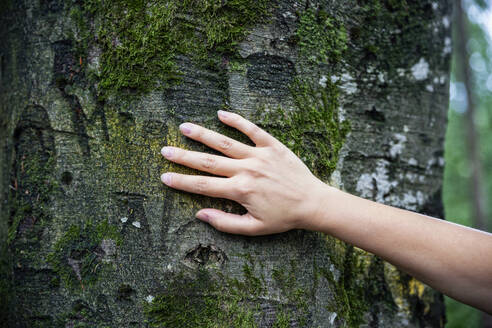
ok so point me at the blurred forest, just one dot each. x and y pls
(458, 177)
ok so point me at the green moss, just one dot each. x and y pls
(76, 256)
(285, 279)
(141, 40)
(350, 301)
(322, 39)
(200, 302)
(282, 320)
(35, 187)
(238, 66)
(313, 131)
(359, 286)
(209, 299)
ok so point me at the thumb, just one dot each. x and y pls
(231, 223)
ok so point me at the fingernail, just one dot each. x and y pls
(166, 178)
(185, 128)
(223, 114)
(202, 216)
(167, 152)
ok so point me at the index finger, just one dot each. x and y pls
(259, 136)
(217, 141)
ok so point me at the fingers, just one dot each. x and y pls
(217, 141)
(257, 135)
(198, 184)
(201, 161)
(231, 223)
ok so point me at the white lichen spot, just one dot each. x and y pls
(397, 145)
(429, 87)
(412, 161)
(447, 46)
(405, 128)
(435, 5)
(322, 81)
(442, 79)
(288, 14)
(109, 247)
(335, 272)
(412, 177)
(136, 224)
(334, 78)
(376, 185)
(149, 298)
(365, 185)
(400, 72)
(420, 71)
(331, 318)
(410, 200)
(441, 161)
(381, 77)
(124, 219)
(348, 85)
(445, 21)
(169, 267)
(341, 114)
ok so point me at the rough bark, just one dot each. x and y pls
(93, 237)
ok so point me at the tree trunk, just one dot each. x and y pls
(91, 90)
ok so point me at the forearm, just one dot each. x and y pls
(451, 258)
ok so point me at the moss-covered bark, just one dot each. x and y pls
(90, 92)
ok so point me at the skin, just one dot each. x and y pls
(280, 194)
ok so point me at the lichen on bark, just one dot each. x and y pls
(141, 40)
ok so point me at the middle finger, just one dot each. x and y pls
(214, 164)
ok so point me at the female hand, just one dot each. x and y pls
(276, 188)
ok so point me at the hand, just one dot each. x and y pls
(276, 188)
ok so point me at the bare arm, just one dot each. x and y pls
(280, 193)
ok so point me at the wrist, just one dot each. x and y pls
(320, 210)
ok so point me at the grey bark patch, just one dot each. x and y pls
(270, 75)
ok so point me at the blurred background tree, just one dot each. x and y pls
(468, 150)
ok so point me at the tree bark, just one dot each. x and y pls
(91, 90)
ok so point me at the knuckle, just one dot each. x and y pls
(225, 144)
(200, 185)
(279, 149)
(255, 168)
(208, 162)
(253, 129)
(244, 190)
